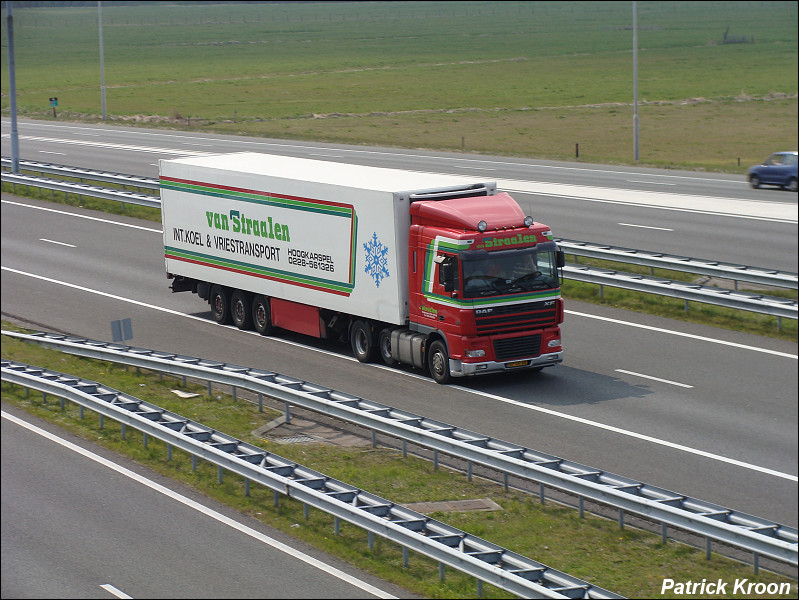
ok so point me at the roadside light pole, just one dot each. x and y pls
(12, 90)
(102, 61)
(635, 80)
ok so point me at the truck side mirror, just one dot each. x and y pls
(561, 259)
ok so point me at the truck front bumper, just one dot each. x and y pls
(462, 369)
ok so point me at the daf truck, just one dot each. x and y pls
(441, 272)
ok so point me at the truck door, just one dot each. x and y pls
(444, 294)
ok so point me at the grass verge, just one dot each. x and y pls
(627, 561)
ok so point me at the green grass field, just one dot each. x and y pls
(528, 79)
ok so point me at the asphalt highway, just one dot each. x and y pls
(704, 412)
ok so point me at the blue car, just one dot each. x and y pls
(778, 169)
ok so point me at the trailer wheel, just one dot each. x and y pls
(438, 362)
(384, 346)
(261, 315)
(241, 309)
(219, 299)
(362, 341)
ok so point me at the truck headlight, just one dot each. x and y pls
(553, 343)
(475, 353)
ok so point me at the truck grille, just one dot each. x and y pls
(520, 347)
(516, 317)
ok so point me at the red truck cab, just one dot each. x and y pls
(484, 287)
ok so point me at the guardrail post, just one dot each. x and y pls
(582, 507)
(469, 470)
(288, 413)
(80, 411)
(435, 460)
(260, 402)
(275, 498)
(756, 562)
(371, 540)
(708, 544)
(144, 438)
(63, 402)
(621, 518)
(664, 536)
(102, 422)
(479, 588)
(169, 452)
(246, 487)
(123, 428)
(404, 449)
(541, 493)
(441, 571)
(44, 397)
(305, 510)
(405, 557)
(374, 439)
(193, 463)
(219, 474)
(336, 526)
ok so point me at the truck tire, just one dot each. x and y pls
(362, 341)
(384, 346)
(438, 362)
(219, 299)
(241, 309)
(261, 315)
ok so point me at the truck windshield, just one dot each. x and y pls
(509, 271)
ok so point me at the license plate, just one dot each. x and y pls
(517, 363)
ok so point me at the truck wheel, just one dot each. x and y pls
(438, 362)
(219, 299)
(384, 346)
(362, 341)
(261, 315)
(241, 309)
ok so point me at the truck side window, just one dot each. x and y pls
(448, 273)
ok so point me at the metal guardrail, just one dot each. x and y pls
(467, 553)
(81, 173)
(760, 303)
(684, 264)
(714, 522)
(753, 302)
(72, 187)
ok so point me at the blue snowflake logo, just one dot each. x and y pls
(376, 260)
